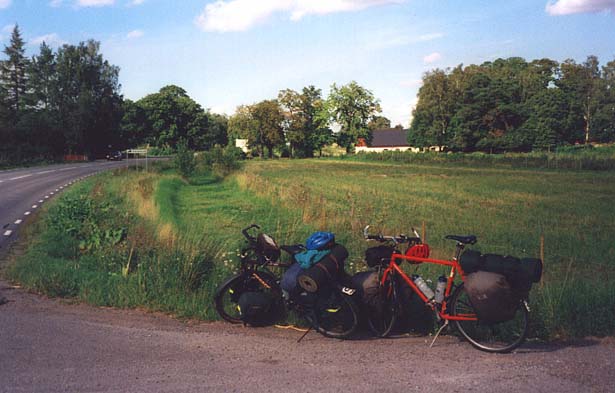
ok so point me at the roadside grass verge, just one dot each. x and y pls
(90, 245)
(181, 237)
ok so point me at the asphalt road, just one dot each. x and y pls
(23, 191)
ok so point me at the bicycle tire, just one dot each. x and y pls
(335, 315)
(381, 318)
(496, 338)
(227, 294)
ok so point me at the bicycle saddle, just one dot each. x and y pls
(470, 239)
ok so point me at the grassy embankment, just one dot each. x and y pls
(507, 209)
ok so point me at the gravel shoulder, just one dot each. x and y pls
(50, 345)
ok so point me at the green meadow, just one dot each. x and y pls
(190, 229)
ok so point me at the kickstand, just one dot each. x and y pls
(304, 334)
(445, 324)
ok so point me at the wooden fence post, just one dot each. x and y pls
(542, 258)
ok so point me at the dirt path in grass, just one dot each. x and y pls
(51, 346)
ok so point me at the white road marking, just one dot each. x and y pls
(57, 189)
(40, 201)
(26, 214)
(40, 173)
(46, 196)
(20, 177)
(53, 193)
(34, 206)
(17, 222)
(8, 233)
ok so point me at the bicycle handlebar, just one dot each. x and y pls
(245, 233)
(396, 239)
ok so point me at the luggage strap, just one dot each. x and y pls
(337, 265)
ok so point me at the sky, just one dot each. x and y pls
(226, 53)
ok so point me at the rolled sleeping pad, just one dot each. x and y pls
(533, 267)
(325, 271)
(471, 261)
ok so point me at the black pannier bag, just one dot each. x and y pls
(471, 261)
(257, 308)
(491, 296)
(378, 256)
(367, 285)
(327, 270)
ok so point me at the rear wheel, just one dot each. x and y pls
(228, 293)
(490, 337)
(382, 316)
(335, 315)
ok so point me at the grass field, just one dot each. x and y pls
(186, 234)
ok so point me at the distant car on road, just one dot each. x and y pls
(114, 156)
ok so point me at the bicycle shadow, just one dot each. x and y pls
(532, 346)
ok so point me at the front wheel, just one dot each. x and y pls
(335, 315)
(499, 337)
(382, 313)
(227, 295)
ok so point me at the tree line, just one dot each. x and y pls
(66, 101)
(515, 105)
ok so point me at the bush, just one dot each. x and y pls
(222, 161)
(184, 160)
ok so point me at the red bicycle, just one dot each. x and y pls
(449, 303)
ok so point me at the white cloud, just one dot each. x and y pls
(52, 39)
(567, 7)
(432, 58)
(8, 28)
(94, 3)
(241, 15)
(5, 3)
(135, 34)
(136, 3)
(55, 3)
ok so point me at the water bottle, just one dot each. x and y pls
(423, 287)
(440, 288)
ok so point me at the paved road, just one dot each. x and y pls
(23, 191)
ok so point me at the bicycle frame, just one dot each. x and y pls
(455, 269)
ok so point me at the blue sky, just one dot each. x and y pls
(231, 52)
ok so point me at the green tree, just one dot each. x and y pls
(172, 115)
(42, 78)
(269, 133)
(352, 107)
(305, 126)
(13, 77)
(378, 123)
(582, 84)
(87, 98)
